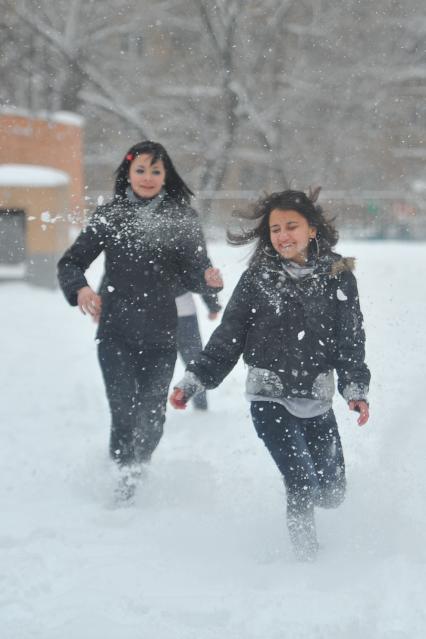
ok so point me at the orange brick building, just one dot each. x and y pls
(41, 190)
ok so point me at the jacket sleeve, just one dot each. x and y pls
(77, 259)
(352, 372)
(227, 342)
(192, 256)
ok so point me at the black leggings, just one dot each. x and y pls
(308, 453)
(136, 381)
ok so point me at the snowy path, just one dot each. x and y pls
(204, 553)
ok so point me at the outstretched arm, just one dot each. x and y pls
(352, 371)
(222, 351)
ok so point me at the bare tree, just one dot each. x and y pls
(247, 94)
(70, 40)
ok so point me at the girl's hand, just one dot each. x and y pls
(361, 407)
(89, 302)
(213, 277)
(177, 399)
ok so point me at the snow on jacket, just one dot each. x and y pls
(292, 333)
(149, 260)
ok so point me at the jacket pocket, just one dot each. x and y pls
(261, 381)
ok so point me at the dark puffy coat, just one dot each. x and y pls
(299, 329)
(149, 260)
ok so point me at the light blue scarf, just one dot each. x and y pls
(145, 206)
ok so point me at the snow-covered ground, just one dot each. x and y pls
(204, 552)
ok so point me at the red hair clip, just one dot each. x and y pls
(130, 157)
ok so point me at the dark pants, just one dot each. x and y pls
(136, 382)
(189, 345)
(308, 453)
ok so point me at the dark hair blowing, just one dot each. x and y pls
(174, 184)
(289, 200)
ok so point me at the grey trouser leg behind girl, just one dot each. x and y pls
(136, 382)
(189, 345)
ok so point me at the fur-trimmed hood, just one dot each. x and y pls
(342, 264)
(331, 264)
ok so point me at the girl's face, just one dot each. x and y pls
(146, 179)
(290, 233)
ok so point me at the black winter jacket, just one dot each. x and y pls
(292, 331)
(149, 260)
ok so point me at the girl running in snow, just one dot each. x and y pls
(154, 251)
(295, 318)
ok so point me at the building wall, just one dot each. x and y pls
(46, 232)
(47, 226)
(46, 142)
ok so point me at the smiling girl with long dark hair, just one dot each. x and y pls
(295, 318)
(154, 251)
